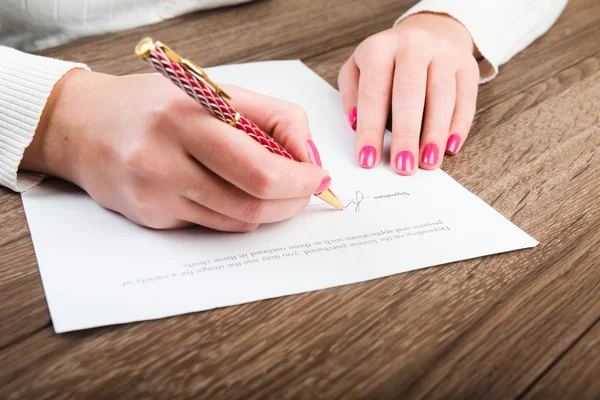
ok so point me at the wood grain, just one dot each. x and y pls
(246, 33)
(576, 372)
(520, 324)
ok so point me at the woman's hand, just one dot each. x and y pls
(142, 147)
(424, 69)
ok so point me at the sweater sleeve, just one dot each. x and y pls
(500, 28)
(26, 82)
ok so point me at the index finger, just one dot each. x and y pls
(239, 159)
(374, 89)
(286, 122)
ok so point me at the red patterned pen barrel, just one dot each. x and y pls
(208, 97)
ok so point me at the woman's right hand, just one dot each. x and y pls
(142, 147)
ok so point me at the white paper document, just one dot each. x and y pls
(99, 269)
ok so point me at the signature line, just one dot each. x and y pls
(356, 201)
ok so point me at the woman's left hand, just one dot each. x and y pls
(424, 69)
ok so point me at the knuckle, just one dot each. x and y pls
(374, 42)
(140, 198)
(254, 211)
(416, 38)
(200, 192)
(376, 48)
(193, 192)
(372, 93)
(447, 47)
(440, 86)
(154, 220)
(299, 113)
(263, 182)
(406, 84)
(160, 225)
(463, 121)
(245, 227)
(307, 188)
(405, 135)
(162, 116)
(407, 119)
(302, 204)
(135, 158)
(370, 131)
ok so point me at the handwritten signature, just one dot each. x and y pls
(356, 201)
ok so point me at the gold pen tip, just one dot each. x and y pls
(331, 198)
(144, 47)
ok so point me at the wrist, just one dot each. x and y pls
(443, 25)
(53, 150)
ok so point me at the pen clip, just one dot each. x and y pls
(194, 68)
(146, 45)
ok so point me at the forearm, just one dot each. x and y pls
(500, 29)
(26, 83)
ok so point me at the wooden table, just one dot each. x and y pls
(524, 324)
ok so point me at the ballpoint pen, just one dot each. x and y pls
(193, 80)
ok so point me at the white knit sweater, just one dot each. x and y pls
(500, 29)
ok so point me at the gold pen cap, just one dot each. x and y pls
(144, 47)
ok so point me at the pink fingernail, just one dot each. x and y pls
(367, 156)
(405, 161)
(313, 153)
(453, 143)
(325, 184)
(430, 154)
(352, 118)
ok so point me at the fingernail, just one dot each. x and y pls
(352, 118)
(430, 154)
(325, 184)
(313, 153)
(405, 161)
(453, 143)
(367, 156)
